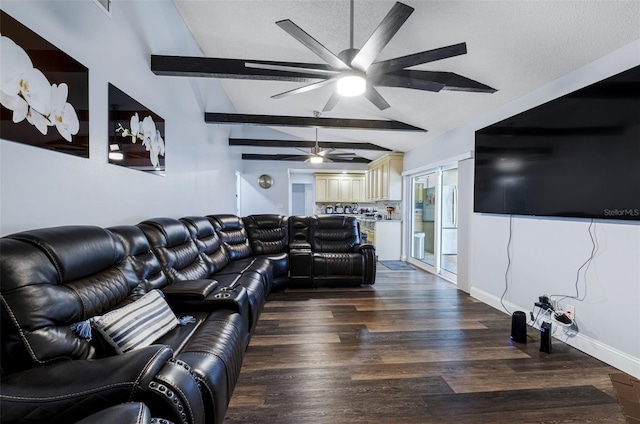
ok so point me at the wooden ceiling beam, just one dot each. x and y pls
(307, 121)
(257, 142)
(300, 158)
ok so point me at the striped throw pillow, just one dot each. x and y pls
(138, 324)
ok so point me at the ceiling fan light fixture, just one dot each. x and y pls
(351, 85)
(316, 159)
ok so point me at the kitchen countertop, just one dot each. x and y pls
(361, 217)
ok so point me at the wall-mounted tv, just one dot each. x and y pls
(575, 156)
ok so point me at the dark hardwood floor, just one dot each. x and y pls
(410, 349)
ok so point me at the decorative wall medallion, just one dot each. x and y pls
(265, 181)
(44, 93)
(136, 135)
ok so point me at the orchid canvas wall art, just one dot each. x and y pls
(44, 93)
(136, 134)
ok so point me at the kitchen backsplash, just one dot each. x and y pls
(370, 210)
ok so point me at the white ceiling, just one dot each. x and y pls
(513, 46)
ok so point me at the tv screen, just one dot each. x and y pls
(575, 156)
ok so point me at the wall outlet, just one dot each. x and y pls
(570, 311)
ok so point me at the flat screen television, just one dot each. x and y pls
(574, 156)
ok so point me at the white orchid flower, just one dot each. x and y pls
(36, 90)
(63, 115)
(14, 62)
(157, 149)
(16, 104)
(36, 119)
(21, 85)
(148, 132)
(135, 128)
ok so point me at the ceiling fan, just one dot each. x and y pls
(355, 71)
(320, 155)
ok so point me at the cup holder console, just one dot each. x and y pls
(227, 289)
(222, 295)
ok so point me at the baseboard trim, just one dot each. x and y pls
(607, 354)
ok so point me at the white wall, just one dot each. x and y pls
(256, 200)
(546, 252)
(41, 188)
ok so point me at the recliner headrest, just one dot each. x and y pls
(267, 220)
(175, 232)
(226, 222)
(132, 238)
(200, 225)
(75, 250)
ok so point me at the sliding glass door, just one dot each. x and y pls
(449, 222)
(424, 214)
(435, 220)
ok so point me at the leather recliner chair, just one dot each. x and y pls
(51, 279)
(326, 250)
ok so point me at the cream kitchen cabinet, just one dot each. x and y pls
(384, 178)
(340, 188)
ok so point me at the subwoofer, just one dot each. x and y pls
(519, 327)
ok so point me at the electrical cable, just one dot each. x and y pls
(506, 273)
(594, 249)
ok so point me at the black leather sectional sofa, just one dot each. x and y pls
(65, 294)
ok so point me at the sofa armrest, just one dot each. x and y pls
(67, 391)
(189, 290)
(362, 248)
(177, 385)
(299, 245)
(368, 251)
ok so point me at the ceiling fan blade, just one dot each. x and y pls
(326, 152)
(304, 88)
(393, 80)
(233, 68)
(451, 81)
(356, 159)
(332, 102)
(376, 98)
(285, 68)
(391, 23)
(427, 56)
(312, 44)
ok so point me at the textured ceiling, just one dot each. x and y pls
(513, 46)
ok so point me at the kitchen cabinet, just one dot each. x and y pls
(384, 178)
(340, 188)
(385, 235)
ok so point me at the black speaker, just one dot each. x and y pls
(545, 337)
(519, 327)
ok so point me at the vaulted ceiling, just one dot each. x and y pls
(512, 46)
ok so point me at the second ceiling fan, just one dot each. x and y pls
(319, 155)
(355, 71)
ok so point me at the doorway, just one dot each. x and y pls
(302, 199)
(434, 220)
